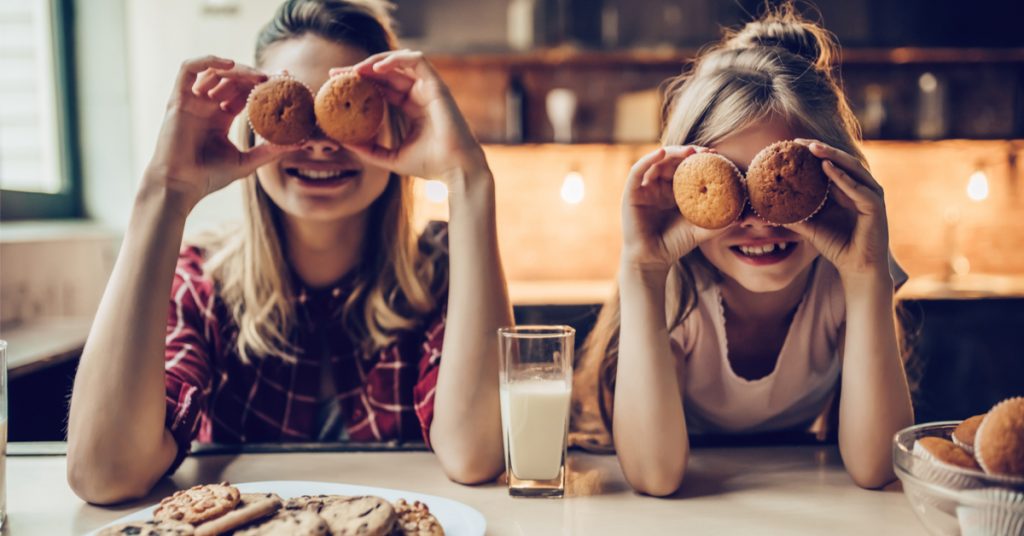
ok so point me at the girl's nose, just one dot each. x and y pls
(748, 218)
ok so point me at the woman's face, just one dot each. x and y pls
(759, 256)
(320, 181)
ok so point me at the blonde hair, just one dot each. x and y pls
(781, 65)
(395, 284)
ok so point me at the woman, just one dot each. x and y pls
(324, 318)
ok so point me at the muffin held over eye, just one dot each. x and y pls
(281, 111)
(709, 190)
(786, 183)
(349, 108)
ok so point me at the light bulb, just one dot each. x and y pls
(572, 188)
(436, 191)
(977, 186)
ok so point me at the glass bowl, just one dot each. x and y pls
(949, 500)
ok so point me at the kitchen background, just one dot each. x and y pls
(565, 96)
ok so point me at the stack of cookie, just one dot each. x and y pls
(213, 509)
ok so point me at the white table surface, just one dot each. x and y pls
(758, 490)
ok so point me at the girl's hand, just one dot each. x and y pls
(194, 156)
(654, 233)
(852, 231)
(438, 141)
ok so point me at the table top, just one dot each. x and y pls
(767, 490)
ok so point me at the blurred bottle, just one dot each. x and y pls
(515, 110)
(932, 121)
(522, 24)
(873, 117)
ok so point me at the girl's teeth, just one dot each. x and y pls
(757, 251)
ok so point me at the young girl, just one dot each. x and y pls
(323, 318)
(751, 328)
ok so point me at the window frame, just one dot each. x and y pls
(67, 203)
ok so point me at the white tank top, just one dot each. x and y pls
(717, 400)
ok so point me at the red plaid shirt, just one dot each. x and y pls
(213, 396)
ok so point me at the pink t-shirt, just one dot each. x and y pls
(717, 400)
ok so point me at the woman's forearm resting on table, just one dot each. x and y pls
(466, 431)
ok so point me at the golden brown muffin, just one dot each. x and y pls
(709, 190)
(999, 443)
(281, 111)
(963, 435)
(349, 108)
(786, 184)
(945, 451)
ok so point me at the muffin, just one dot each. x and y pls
(349, 108)
(786, 184)
(999, 443)
(991, 511)
(963, 435)
(943, 450)
(281, 111)
(709, 190)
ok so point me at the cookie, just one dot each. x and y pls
(198, 504)
(313, 503)
(349, 108)
(281, 111)
(415, 519)
(251, 507)
(366, 516)
(288, 523)
(166, 527)
(709, 190)
(999, 443)
(945, 451)
(963, 435)
(785, 183)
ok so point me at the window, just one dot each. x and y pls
(38, 147)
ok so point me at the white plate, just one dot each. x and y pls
(457, 518)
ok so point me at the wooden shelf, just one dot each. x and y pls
(662, 57)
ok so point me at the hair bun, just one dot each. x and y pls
(786, 29)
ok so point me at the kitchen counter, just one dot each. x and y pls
(751, 490)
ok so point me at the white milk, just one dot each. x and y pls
(533, 414)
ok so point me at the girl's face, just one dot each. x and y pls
(759, 256)
(320, 181)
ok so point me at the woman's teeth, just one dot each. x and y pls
(760, 251)
(314, 174)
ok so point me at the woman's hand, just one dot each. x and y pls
(654, 233)
(852, 231)
(194, 156)
(438, 142)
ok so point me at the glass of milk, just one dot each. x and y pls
(3, 433)
(536, 385)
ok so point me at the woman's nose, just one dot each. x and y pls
(320, 145)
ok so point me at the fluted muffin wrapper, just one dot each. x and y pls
(1003, 513)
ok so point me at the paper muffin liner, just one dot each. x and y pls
(969, 449)
(977, 451)
(1002, 513)
(270, 78)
